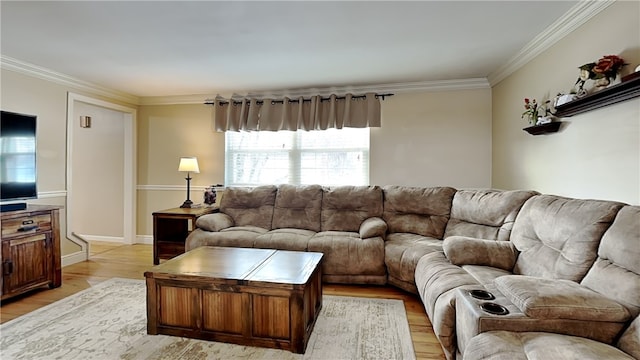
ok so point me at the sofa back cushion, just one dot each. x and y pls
(298, 207)
(558, 237)
(616, 272)
(249, 206)
(344, 208)
(417, 210)
(485, 214)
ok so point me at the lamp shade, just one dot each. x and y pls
(189, 164)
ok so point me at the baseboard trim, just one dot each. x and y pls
(74, 258)
(111, 239)
(144, 239)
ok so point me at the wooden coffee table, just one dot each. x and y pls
(256, 297)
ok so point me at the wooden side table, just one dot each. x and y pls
(171, 228)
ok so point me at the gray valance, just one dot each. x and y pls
(315, 113)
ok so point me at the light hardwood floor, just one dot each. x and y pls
(109, 260)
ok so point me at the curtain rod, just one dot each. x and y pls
(260, 102)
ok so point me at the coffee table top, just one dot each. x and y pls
(240, 265)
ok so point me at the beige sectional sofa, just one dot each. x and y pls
(566, 270)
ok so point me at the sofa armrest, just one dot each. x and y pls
(373, 227)
(462, 250)
(543, 298)
(214, 222)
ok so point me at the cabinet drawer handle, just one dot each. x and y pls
(28, 227)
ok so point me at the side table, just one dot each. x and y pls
(171, 228)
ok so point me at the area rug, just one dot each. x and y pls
(108, 321)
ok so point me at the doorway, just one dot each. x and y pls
(100, 172)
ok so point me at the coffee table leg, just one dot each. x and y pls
(298, 323)
(152, 307)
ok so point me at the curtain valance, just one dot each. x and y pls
(315, 113)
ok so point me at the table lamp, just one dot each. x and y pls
(188, 164)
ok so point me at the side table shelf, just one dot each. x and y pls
(171, 228)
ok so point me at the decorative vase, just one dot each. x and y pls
(532, 120)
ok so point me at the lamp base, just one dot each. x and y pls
(186, 204)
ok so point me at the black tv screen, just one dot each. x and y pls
(17, 156)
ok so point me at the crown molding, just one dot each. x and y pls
(421, 86)
(19, 66)
(174, 99)
(574, 18)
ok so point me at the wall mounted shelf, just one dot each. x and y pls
(551, 127)
(613, 94)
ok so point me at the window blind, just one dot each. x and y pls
(330, 157)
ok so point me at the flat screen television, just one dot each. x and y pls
(18, 171)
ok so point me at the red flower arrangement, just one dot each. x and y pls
(607, 67)
(531, 111)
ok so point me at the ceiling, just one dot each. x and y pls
(172, 48)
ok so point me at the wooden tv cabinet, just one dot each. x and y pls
(30, 253)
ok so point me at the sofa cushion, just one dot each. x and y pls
(249, 206)
(558, 237)
(402, 253)
(485, 214)
(616, 273)
(347, 254)
(485, 275)
(508, 345)
(298, 207)
(237, 236)
(344, 208)
(461, 250)
(422, 211)
(629, 342)
(284, 239)
(214, 222)
(559, 299)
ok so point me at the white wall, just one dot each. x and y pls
(434, 139)
(595, 154)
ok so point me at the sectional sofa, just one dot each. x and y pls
(501, 274)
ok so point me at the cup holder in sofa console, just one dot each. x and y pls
(495, 309)
(481, 294)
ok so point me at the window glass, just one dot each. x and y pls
(328, 157)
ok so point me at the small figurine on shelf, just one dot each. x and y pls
(562, 99)
(210, 195)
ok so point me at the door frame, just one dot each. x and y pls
(129, 162)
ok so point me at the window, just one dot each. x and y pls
(327, 157)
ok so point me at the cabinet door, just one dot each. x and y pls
(26, 262)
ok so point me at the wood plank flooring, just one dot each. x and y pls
(109, 260)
